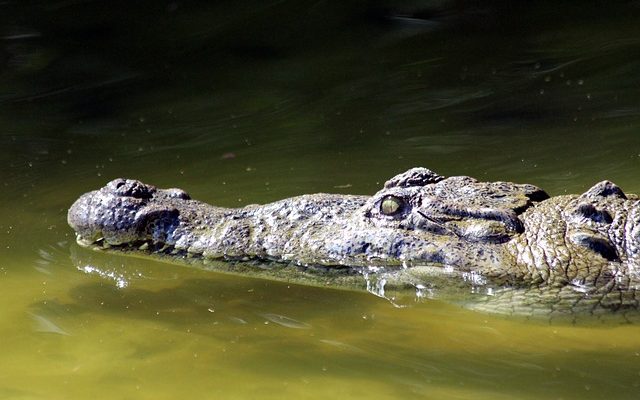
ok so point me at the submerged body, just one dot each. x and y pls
(576, 253)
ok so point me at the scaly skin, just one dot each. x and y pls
(528, 252)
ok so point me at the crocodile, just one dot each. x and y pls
(510, 247)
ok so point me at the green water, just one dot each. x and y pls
(249, 103)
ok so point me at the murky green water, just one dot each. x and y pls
(250, 103)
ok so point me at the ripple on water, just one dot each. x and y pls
(285, 321)
(49, 256)
(45, 325)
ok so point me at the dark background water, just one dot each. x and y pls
(353, 92)
(249, 102)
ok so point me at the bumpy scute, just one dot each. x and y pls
(129, 188)
(414, 177)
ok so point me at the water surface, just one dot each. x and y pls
(242, 104)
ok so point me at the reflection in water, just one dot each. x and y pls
(211, 328)
(376, 281)
(118, 279)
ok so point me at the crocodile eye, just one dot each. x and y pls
(391, 205)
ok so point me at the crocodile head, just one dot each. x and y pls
(417, 216)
